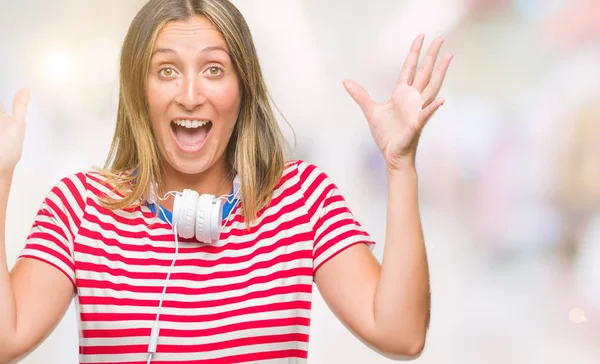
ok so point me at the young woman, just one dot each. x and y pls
(197, 242)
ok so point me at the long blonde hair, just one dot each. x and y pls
(256, 149)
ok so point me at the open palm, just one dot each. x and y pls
(397, 123)
(12, 133)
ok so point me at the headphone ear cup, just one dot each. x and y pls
(215, 220)
(203, 218)
(184, 212)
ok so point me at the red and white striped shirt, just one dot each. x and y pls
(245, 299)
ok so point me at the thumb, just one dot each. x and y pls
(20, 104)
(360, 96)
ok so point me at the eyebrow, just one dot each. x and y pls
(205, 50)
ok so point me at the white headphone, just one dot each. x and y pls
(198, 215)
(193, 215)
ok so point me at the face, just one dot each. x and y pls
(193, 95)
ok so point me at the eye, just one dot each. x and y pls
(214, 71)
(166, 72)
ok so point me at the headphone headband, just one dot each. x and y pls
(197, 215)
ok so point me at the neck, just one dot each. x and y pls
(217, 180)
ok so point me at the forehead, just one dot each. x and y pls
(193, 34)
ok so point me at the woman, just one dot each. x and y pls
(163, 271)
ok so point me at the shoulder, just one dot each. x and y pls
(80, 185)
(304, 171)
(70, 186)
(309, 178)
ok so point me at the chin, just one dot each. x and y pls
(189, 167)
(194, 164)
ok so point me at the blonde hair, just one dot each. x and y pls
(256, 149)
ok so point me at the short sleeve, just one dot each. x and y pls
(334, 225)
(52, 235)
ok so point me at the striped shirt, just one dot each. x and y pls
(246, 298)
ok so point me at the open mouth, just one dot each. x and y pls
(191, 134)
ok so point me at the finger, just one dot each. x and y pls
(428, 111)
(20, 104)
(424, 74)
(2, 111)
(360, 96)
(434, 86)
(410, 65)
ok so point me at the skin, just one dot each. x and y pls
(192, 76)
(386, 306)
(35, 295)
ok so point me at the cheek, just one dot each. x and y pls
(227, 100)
(158, 101)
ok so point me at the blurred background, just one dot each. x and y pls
(509, 167)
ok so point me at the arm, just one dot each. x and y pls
(388, 306)
(33, 298)
(35, 295)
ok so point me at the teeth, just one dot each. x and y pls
(191, 124)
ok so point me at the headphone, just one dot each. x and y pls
(193, 215)
(200, 216)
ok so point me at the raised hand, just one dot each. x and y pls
(397, 123)
(12, 133)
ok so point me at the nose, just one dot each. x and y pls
(191, 94)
